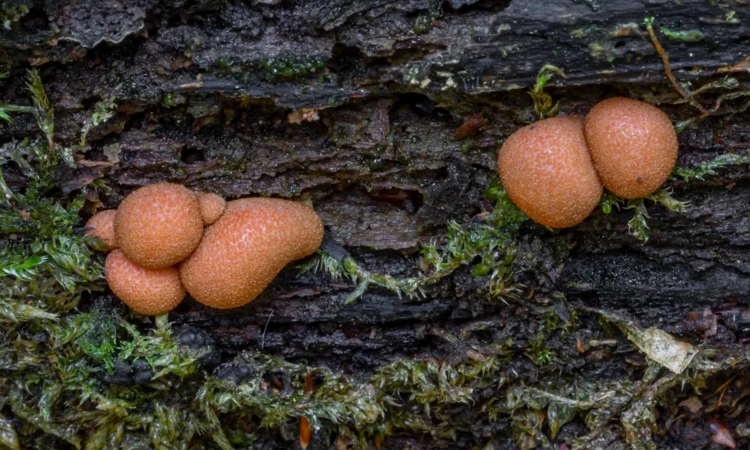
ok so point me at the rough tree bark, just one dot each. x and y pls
(354, 105)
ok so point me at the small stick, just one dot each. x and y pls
(263, 338)
(668, 70)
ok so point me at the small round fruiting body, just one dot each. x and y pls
(247, 247)
(147, 291)
(212, 207)
(633, 146)
(159, 225)
(547, 172)
(103, 224)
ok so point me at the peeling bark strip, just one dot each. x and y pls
(388, 115)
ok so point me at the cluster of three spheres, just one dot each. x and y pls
(167, 241)
(554, 170)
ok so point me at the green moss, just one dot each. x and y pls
(543, 105)
(489, 247)
(423, 24)
(602, 51)
(686, 36)
(169, 100)
(55, 360)
(609, 202)
(12, 13)
(580, 33)
(638, 225)
(46, 263)
(55, 385)
(709, 167)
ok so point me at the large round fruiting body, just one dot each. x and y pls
(247, 247)
(159, 225)
(147, 291)
(212, 207)
(546, 170)
(103, 224)
(633, 146)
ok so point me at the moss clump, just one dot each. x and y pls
(45, 260)
(58, 385)
(169, 100)
(637, 225)
(543, 105)
(423, 24)
(12, 13)
(489, 245)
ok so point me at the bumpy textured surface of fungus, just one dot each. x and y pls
(247, 247)
(546, 169)
(103, 224)
(159, 225)
(633, 146)
(147, 291)
(212, 207)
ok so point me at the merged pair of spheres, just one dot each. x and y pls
(554, 169)
(161, 251)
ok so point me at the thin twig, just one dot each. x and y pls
(730, 95)
(668, 69)
(723, 389)
(263, 338)
(582, 404)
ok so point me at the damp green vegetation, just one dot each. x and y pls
(169, 100)
(45, 261)
(603, 42)
(710, 167)
(92, 377)
(423, 24)
(52, 374)
(583, 32)
(687, 36)
(4, 109)
(638, 225)
(52, 357)
(604, 51)
(488, 244)
(543, 104)
(284, 67)
(55, 387)
(12, 12)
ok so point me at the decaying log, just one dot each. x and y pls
(354, 105)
